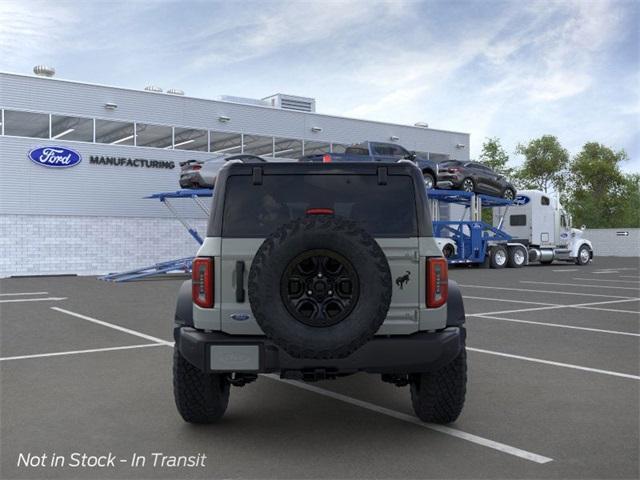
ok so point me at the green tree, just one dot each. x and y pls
(599, 195)
(545, 164)
(495, 157)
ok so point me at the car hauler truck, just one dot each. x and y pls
(541, 224)
(531, 228)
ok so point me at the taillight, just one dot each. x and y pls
(196, 167)
(454, 170)
(202, 282)
(437, 282)
(326, 158)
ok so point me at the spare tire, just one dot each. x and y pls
(320, 287)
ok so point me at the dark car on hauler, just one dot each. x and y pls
(472, 176)
(380, 152)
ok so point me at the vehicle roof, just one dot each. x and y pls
(337, 168)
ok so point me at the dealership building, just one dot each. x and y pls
(91, 217)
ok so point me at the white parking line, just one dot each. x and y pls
(556, 364)
(19, 300)
(76, 352)
(528, 290)
(567, 270)
(517, 452)
(467, 297)
(581, 285)
(630, 276)
(23, 293)
(605, 280)
(551, 306)
(559, 325)
(115, 327)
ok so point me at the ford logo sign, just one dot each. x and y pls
(521, 200)
(55, 157)
(240, 317)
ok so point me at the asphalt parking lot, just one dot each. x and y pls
(553, 388)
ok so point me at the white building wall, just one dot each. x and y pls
(84, 245)
(611, 242)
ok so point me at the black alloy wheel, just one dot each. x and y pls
(320, 288)
(508, 194)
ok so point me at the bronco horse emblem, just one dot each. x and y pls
(404, 279)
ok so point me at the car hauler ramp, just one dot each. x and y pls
(475, 240)
(179, 264)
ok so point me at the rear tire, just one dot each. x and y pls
(468, 185)
(200, 397)
(429, 180)
(438, 397)
(517, 257)
(499, 257)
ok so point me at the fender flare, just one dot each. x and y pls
(455, 306)
(430, 171)
(576, 248)
(184, 306)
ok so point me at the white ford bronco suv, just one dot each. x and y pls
(316, 271)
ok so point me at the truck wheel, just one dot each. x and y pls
(200, 397)
(320, 287)
(429, 181)
(584, 255)
(448, 251)
(438, 397)
(499, 257)
(517, 257)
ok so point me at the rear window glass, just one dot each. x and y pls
(357, 151)
(254, 211)
(518, 220)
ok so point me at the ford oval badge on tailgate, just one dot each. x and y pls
(55, 157)
(240, 317)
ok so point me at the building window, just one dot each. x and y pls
(115, 133)
(157, 136)
(190, 139)
(71, 128)
(438, 157)
(316, 148)
(287, 148)
(258, 145)
(26, 124)
(227, 143)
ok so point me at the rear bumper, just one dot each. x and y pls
(420, 352)
(454, 180)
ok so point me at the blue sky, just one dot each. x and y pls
(515, 70)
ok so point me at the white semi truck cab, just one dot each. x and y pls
(540, 223)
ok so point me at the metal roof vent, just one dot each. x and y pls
(44, 71)
(175, 91)
(421, 124)
(153, 88)
(292, 102)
